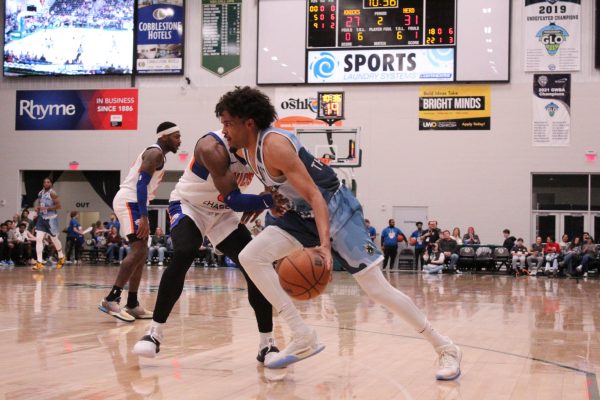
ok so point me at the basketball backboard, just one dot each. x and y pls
(335, 146)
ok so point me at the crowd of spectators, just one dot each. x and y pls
(437, 250)
(17, 241)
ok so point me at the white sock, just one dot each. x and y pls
(39, 246)
(264, 339)
(157, 329)
(380, 290)
(58, 246)
(257, 259)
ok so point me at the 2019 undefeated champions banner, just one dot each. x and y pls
(454, 108)
(109, 109)
(160, 33)
(552, 35)
(551, 109)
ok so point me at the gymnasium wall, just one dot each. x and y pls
(481, 178)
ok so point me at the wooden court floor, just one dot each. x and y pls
(522, 338)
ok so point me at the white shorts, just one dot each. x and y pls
(128, 214)
(216, 225)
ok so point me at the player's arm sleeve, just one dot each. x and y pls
(142, 192)
(240, 202)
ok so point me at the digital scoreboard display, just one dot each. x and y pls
(380, 23)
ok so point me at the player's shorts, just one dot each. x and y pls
(217, 226)
(49, 226)
(351, 240)
(128, 214)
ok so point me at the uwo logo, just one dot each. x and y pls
(429, 124)
(324, 66)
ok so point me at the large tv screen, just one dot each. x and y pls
(68, 37)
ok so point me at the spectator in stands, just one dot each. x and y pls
(449, 248)
(457, 236)
(25, 218)
(74, 239)
(551, 251)
(536, 258)
(519, 255)
(509, 241)
(257, 228)
(5, 250)
(113, 242)
(417, 241)
(434, 260)
(389, 243)
(10, 239)
(470, 237)
(22, 249)
(158, 245)
(114, 221)
(572, 256)
(372, 231)
(588, 255)
(206, 254)
(432, 235)
(564, 243)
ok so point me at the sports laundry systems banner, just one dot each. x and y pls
(160, 33)
(107, 109)
(551, 109)
(454, 108)
(552, 35)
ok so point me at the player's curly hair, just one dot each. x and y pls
(245, 103)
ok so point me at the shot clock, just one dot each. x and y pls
(330, 106)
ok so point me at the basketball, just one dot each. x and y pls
(412, 241)
(303, 274)
(401, 238)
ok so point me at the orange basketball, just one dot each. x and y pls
(412, 241)
(401, 238)
(303, 274)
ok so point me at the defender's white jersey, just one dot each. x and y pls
(197, 188)
(128, 189)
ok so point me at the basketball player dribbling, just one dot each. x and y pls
(322, 213)
(131, 207)
(205, 202)
(47, 224)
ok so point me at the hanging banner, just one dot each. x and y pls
(454, 108)
(106, 109)
(221, 35)
(552, 35)
(160, 33)
(551, 109)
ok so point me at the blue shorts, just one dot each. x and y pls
(350, 239)
(49, 226)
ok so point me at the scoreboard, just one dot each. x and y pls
(380, 23)
(383, 41)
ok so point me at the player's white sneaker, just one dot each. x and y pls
(139, 312)
(149, 344)
(264, 350)
(449, 362)
(301, 347)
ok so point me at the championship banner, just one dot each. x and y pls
(160, 34)
(552, 35)
(374, 66)
(551, 109)
(108, 109)
(221, 35)
(454, 108)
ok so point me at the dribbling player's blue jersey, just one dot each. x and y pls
(45, 200)
(322, 175)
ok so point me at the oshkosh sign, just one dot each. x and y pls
(76, 109)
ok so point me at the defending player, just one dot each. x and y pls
(322, 213)
(131, 207)
(204, 202)
(47, 224)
